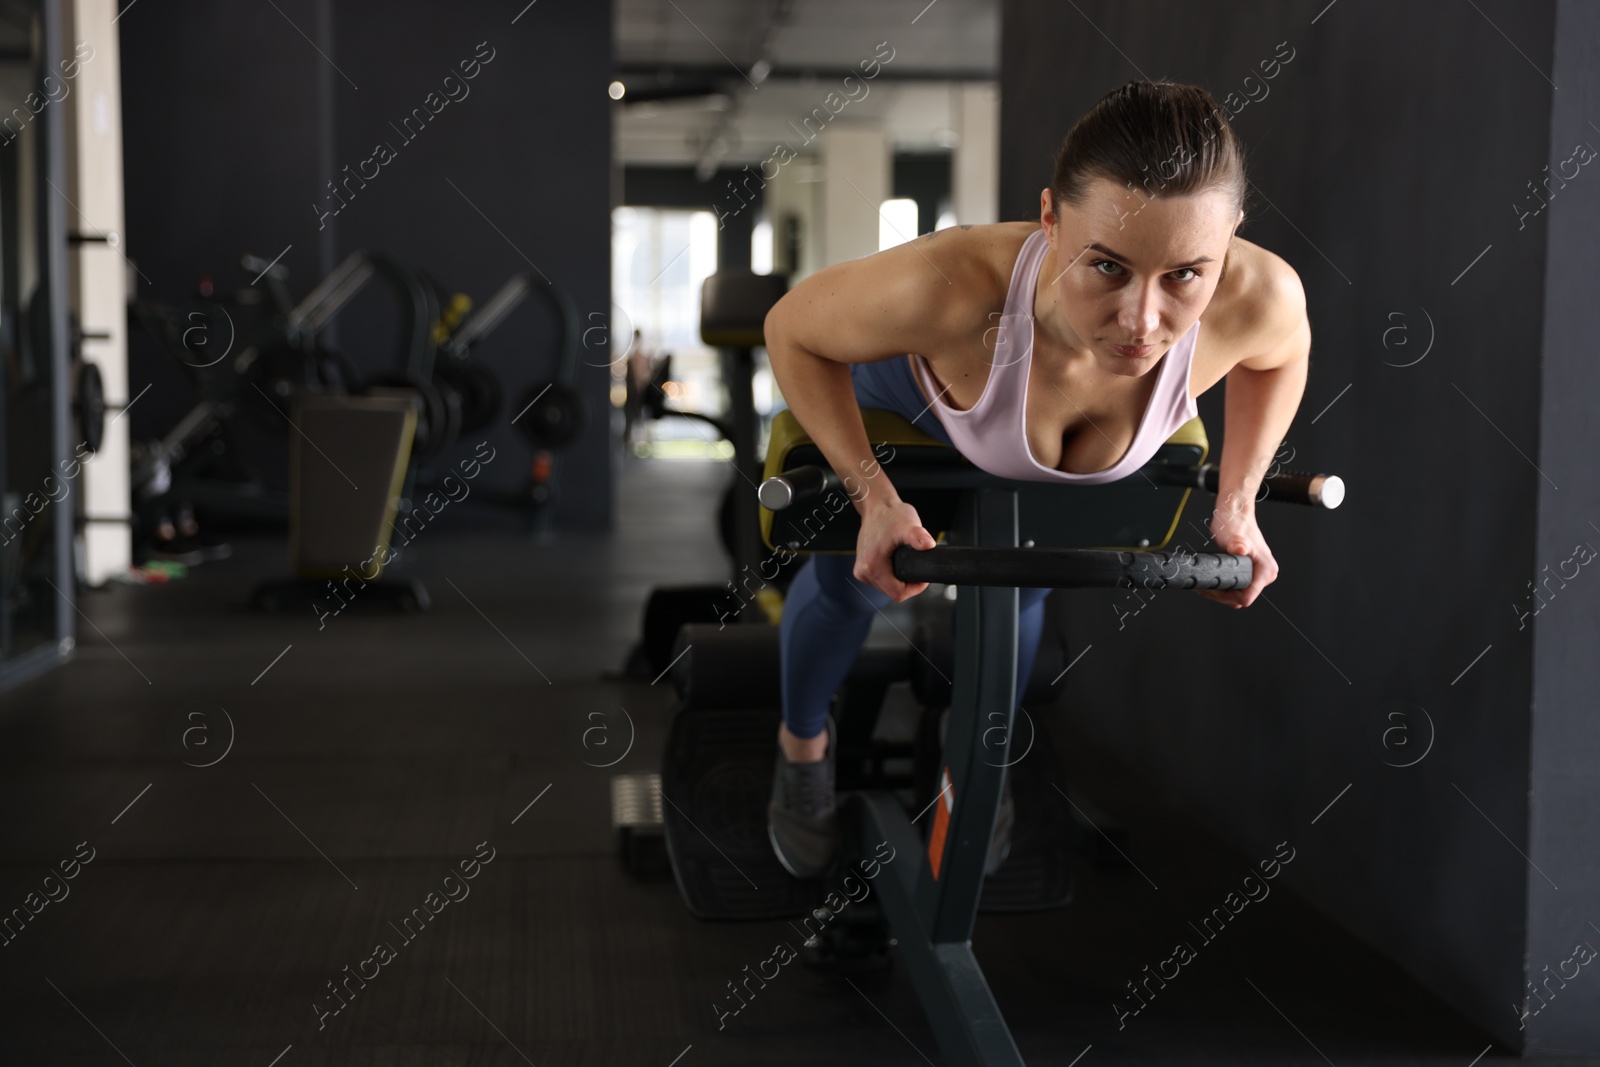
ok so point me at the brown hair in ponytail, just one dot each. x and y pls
(1155, 138)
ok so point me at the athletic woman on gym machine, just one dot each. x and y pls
(1066, 350)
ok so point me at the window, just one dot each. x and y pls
(659, 258)
(761, 246)
(897, 222)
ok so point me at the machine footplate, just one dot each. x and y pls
(716, 782)
(1037, 874)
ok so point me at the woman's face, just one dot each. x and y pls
(1131, 273)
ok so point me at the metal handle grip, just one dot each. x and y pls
(1284, 487)
(1297, 487)
(795, 486)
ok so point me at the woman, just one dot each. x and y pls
(1066, 350)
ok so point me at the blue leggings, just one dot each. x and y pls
(827, 612)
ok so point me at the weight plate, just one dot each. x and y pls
(478, 386)
(553, 415)
(438, 421)
(91, 406)
(274, 378)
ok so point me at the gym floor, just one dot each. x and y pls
(372, 756)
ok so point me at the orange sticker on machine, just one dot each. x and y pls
(943, 806)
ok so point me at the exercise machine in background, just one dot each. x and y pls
(551, 414)
(248, 356)
(733, 308)
(395, 435)
(254, 354)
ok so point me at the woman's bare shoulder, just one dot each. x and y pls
(1259, 303)
(936, 295)
(974, 264)
(991, 248)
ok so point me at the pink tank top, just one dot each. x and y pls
(991, 434)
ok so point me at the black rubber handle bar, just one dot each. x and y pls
(1071, 568)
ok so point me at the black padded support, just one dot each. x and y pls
(729, 667)
(1136, 511)
(734, 306)
(733, 312)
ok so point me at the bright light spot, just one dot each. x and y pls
(897, 222)
(947, 219)
(616, 90)
(761, 247)
(702, 249)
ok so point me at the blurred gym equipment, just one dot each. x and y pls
(51, 402)
(248, 359)
(733, 307)
(551, 415)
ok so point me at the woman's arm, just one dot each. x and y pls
(922, 296)
(904, 299)
(1263, 393)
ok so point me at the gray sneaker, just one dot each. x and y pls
(801, 822)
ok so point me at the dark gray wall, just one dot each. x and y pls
(235, 123)
(1385, 155)
(220, 159)
(221, 155)
(1565, 818)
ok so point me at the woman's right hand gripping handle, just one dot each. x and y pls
(885, 526)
